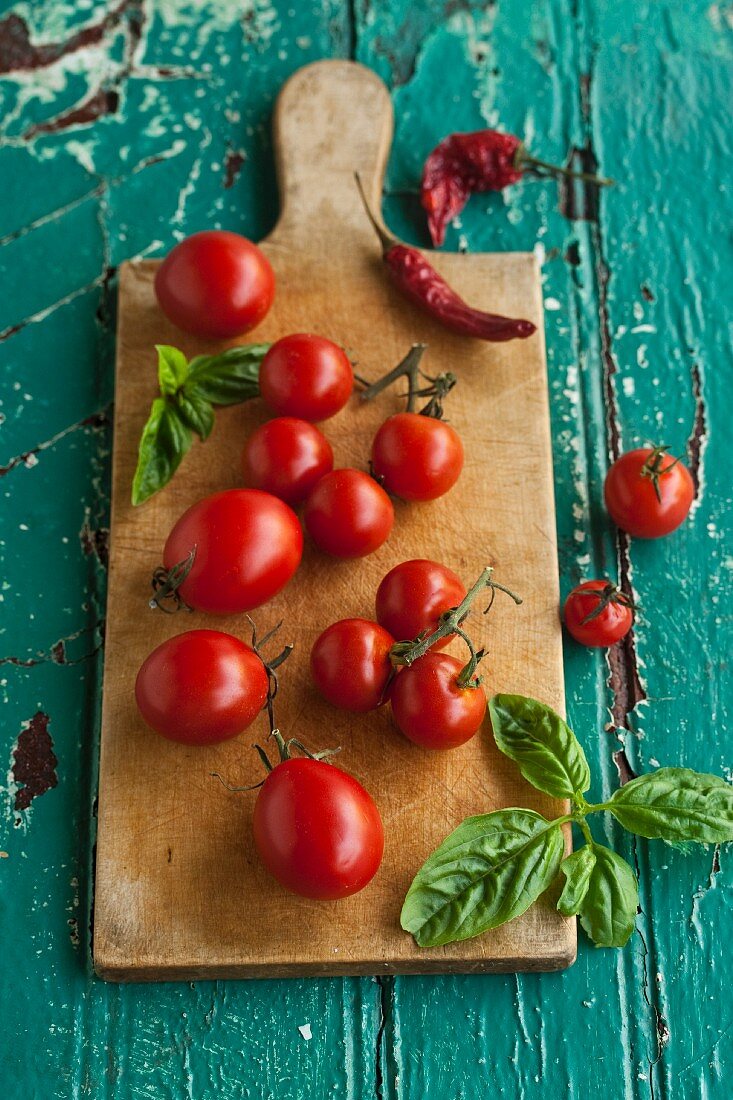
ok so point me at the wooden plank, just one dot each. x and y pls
(180, 892)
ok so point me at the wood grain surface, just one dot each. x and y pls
(180, 892)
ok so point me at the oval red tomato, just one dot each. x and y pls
(247, 546)
(286, 457)
(412, 597)
(201, 687)
(350, 664)
(417, 457)
(631, 497)
(215, 285)
(348, 514)
(431, 707)
(317, 830)
(306, 376)
(608, 625)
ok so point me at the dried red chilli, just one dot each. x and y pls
(420, 282)
(485, 160)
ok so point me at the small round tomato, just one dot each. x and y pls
(317, 830)
(417, 457)
(215, 284)
(597, 613)
(648, 493)
(350, 664)
(246, 545)
(306, 376)
(286, 457)
(431, 707)
(201, 687)
(413, 596)
(348, 514)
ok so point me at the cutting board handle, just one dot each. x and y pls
(332, 118)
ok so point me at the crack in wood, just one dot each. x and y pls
(96, 421)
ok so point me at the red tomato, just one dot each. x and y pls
(631, 498)
(286, 457)
(350, 664)
(306, 376)
(348, 514)
(417, 457)
(430, 706)
(413, 596)
(317, 830)
(248, 545)
(215, 285)
(607, 626)
(201, 687)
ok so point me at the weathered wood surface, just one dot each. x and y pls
(124, 127)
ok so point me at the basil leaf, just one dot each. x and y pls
(172, 369)
(544, 747)
(676, 804)
(577, 869)
(196, 412)
(488, 871)
(163, 444)
(227, 378)
(608, 909)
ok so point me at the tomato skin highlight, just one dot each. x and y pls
(413, 595)
(417, 457)
(248, 545)
(201, 687)
(348, 514)
(306, 376)
(431, 708)
(632, 503)
(317, 830)
(215, 284)
(350, 664)
(286, 457)
(612, 624)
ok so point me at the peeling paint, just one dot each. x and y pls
(34, 762)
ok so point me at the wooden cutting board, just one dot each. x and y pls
(180, 892)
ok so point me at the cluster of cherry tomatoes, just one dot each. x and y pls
(648, 494)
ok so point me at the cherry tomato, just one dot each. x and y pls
(201, 687)
(431, 707)
(608, 624)
(350, 664)
(417, 457)
(413, 596)
(247, 546)
(631, 496)
(348, 514)
(317, 830)
(306, 376)
(215, 285)
(286, 457)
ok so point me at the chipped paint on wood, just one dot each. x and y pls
(136, 114)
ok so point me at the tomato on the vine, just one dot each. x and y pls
(417, 457)
(597, 613)
(306, 376)
(317, 830)
(350, 664)
(215, 284)
(236, 549)
(412, 597)
(286, 457)
(201, 687)
(648, 493)
(432, 707)
(348, 514)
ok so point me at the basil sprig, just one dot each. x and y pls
(188, 392)
(494, 866)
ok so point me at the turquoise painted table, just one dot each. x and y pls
(126, 126)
